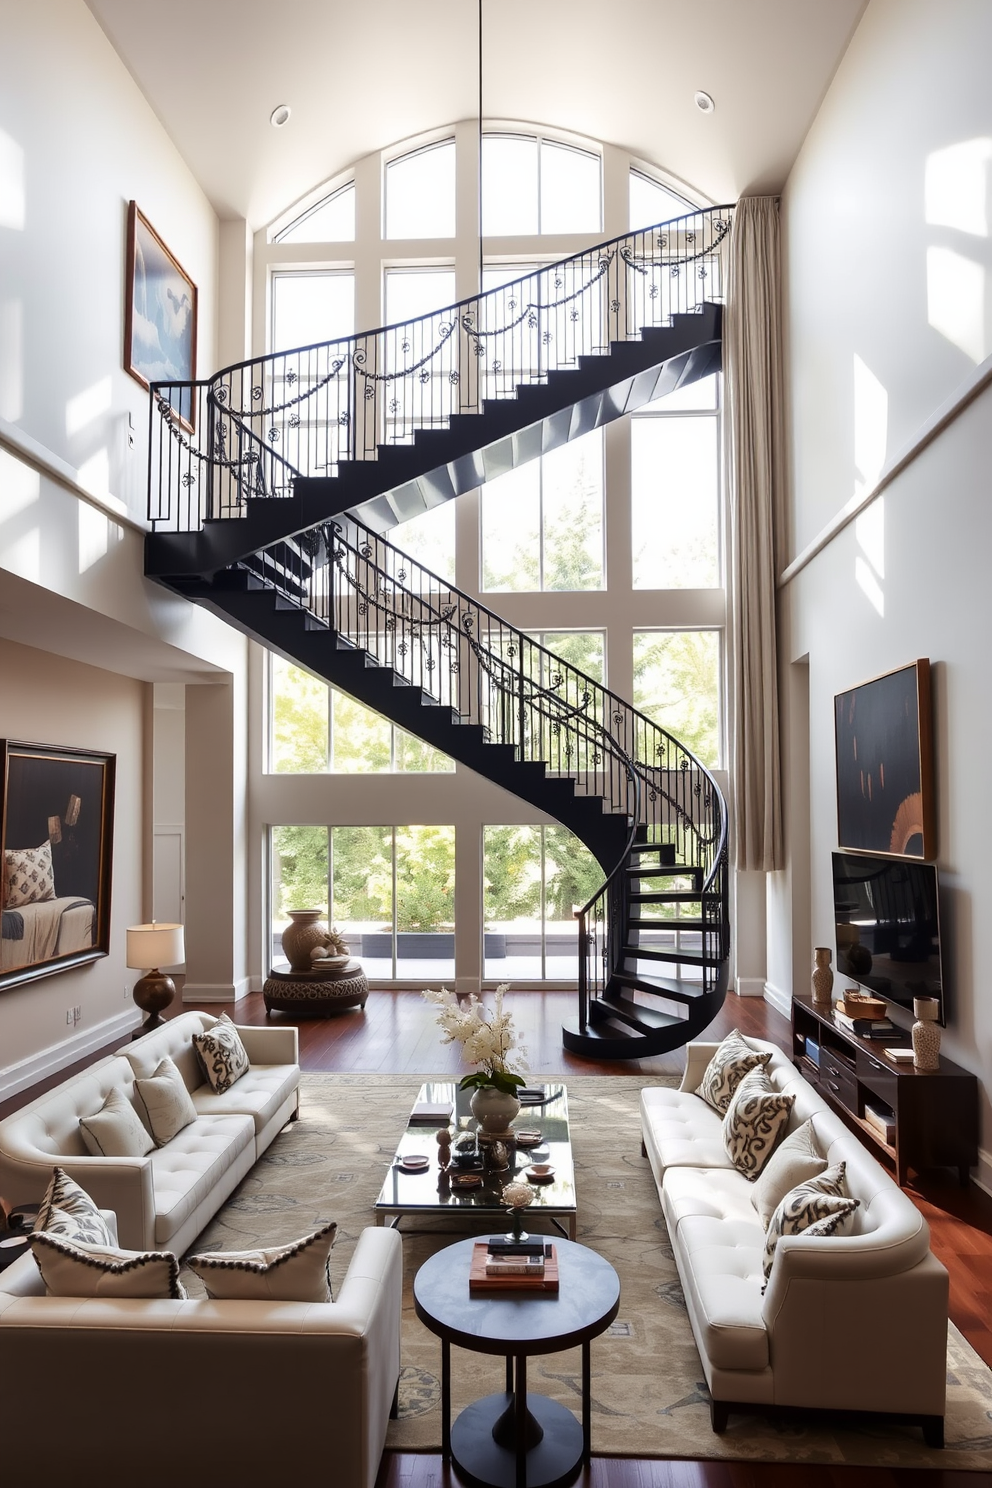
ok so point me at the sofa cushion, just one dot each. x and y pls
(69, 1211)
(823, 1201)
(28, 876)
(259, 1094)
(221, 1054)
(283, 1273)
(116, 1130)
(728, 1066)
(683, 1130)
(795, 1160)
(80, 1270)
(192, 1164)
(720, 1264)
(755, 1122)
(165, 1102)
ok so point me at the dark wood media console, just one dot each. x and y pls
(935, 1113)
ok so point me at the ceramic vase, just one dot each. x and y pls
(494, 1110)
(304, 934)
(823, 977)
(926, 1034)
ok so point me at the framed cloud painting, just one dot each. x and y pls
(159, 314)
(57, 823)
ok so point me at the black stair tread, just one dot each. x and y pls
(634, 1014)
(675, 989)
(666, 896)
(634, 871)
(660, 953)
(634, 922)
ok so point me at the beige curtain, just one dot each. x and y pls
(752, 342)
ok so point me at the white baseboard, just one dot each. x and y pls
(217, 991)
(750, 987)
(17, 1077)
(780, 1001)
(982, 1175)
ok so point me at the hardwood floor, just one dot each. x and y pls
(396, 1034)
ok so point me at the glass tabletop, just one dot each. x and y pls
(431, 1191)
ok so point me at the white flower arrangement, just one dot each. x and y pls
(486, 1037)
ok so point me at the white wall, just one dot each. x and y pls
(888, 255)
(77, 143)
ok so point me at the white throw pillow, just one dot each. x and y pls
(796, 1161)
(755, 1122)
(165, 1102)
(221, 1054)
(822, 1206)
(284, 1273)
(115, 1130)
(69, 1211)
(29, 877)
(725, 1071)
(77, 1270)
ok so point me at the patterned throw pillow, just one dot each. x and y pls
(221, 1054)
(28, 876)
(69, 1211)
(822, 1206)
(725, 1071)
(115, 1130)
(284, 1273)
(77, 1270)
(755, 1122)
(165, 1102)
(797, 1159)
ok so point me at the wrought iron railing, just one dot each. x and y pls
(463, 657)
(248, 432)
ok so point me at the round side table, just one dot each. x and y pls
(516, 1440)
(320, 992)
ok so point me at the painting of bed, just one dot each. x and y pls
(57, 833)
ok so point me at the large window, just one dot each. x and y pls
(674, 490)
(315, 729)
(390, 891)
(532, 186)
(331, 220)
(534, 878)
(420, 193)
(677, 685)
(542, 523)
(309, 308)
(651, 202)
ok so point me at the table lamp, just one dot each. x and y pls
(153, 946)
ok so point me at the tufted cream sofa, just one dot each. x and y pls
(165, 1199)
(161, 1392)
(854, 1322)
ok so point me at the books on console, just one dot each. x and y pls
(432, 1113)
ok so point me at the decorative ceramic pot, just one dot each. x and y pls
(306, 932)
(823, 977)
(494, 1110)
(926, 1034)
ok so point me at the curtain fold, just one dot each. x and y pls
(754, 381)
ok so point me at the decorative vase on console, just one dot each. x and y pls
(926, 1034)
(306, 933)
(823, 977)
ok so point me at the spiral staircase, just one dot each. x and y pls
(272, 484)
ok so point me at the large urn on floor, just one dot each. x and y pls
(494, 1110)
(306, 932)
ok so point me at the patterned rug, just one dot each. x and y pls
(649, 1398)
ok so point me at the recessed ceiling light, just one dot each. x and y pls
(280, 115)
(704, 102)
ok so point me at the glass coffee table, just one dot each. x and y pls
(432, 1192)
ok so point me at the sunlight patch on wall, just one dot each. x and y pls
(956, 301)
(94, 473)
(869, 566)
(13, 200)
(86, 407)
(96, 533)
(11, 360)
(20, 487)
(956, 186)
(871, 427)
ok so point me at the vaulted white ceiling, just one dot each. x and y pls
(359, 76)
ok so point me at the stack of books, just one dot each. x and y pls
(878, 1028)
(513, 1265)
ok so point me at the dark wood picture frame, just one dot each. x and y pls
(160, 314)
(885, 789)
(56, 851)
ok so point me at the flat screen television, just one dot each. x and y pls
(887, 926)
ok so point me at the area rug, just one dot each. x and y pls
(649, 1398)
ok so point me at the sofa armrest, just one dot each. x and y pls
(123, 1184)
(697, 1057)
(278, 1045)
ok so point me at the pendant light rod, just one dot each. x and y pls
(480, 146)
